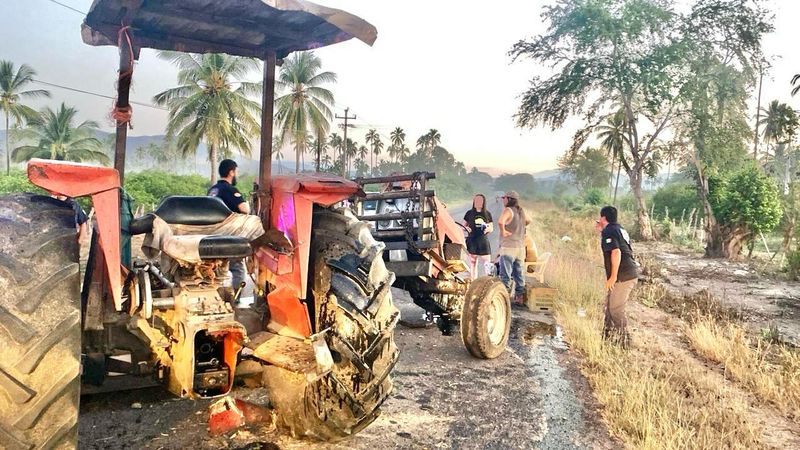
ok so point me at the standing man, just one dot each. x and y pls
(226, 190)
(621, 274)
(512, 225)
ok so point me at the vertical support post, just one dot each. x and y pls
(267, 111)
(126, 57)
(346, 150)
(423, 183)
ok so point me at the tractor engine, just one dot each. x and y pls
(190, 328)
(182, 305)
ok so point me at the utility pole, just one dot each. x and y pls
(758, 110)
(346, 118)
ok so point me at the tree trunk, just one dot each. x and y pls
(319, 152)
(734, 242)
(714, 240)
(616, 184)
(645, 228)
(8, 150)
(297, 159)
(212, 156)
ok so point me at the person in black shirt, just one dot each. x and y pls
(621, 274)
(478, 221)
(226, 190)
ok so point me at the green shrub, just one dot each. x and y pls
(17, 182)
(676, 200)
(595, 197)
(148, 188)
(748, 198)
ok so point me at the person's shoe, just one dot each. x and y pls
(519, 299)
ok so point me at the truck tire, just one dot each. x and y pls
(486, 318)
(39, 323)
(350, 289)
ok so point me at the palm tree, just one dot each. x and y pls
(320, 146)
(423, 142)
(326, 161)
(57, 138)
(403, 152)
(398, 140)
(780, 126)
(12, 85)
(277, 153)
(305, 109)
(211, 104)
(337, 144)
(796, 84)
(350, 152)
(434, 138)
(363, 151)
(613, 137)
(371, 135)
(374, 139)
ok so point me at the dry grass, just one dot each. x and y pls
(652, 397)
(771, 372)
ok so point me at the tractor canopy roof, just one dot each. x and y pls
(251, 28)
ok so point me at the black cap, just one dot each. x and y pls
(226, 166)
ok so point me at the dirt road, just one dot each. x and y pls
(530, 397)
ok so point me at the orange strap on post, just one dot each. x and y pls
(123, 114)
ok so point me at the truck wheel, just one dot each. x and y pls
(351, 291)
(486, 318)
(39, 323)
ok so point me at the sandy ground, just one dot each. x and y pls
(531, 397)
(764, 300)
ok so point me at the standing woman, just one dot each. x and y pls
(478, 221)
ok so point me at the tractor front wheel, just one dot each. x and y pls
(349, 289)
(486, 318)
(39, 323)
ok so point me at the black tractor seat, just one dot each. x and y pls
(222, 247)
(183, 210)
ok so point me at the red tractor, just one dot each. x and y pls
(322, 321)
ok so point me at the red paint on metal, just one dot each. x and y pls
(231, 346)
(447, 226)
(292, 205)
(102, 183)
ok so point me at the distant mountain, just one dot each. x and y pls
(199, 164)
(545, 174)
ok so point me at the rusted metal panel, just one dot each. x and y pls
(237, 27)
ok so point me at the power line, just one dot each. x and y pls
(96, 94)
(68, 7)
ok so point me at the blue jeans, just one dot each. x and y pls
(238, 271)
(511, 268)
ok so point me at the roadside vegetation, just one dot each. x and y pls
(663, 393)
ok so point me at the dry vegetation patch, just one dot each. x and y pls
(659, 394)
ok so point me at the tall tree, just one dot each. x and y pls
(780, 124)
(377, 147)
(589, 168)
(608, 51)
(613, 139)
(13, 92)
(57, 137)
(723, 42)
(212, 104)
(351, 150)
(320, 146)
(305, 109)
(398, 141)
(371, 135)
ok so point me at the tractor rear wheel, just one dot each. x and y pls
(350, 288)
(39, 323)
(486, 318)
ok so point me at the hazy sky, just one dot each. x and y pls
(436, 64)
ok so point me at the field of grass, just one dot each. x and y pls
(661, 393)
